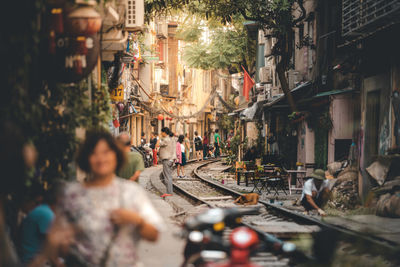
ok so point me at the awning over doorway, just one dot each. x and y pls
(335, 92)
(250, 113)
(298, 93)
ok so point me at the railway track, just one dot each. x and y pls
(274, 219)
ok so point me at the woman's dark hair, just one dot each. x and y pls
(93, 137)
(181, 138)
(166, 130)
(171, 134)
(196, 133)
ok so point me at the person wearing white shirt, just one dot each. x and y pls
(315, 192)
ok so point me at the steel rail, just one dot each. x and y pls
(298, 254)
(296, 216)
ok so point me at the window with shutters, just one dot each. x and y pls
(134, 16)
(131, 10)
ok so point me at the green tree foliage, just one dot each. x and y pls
(275, 15)
(228, 47)
(190, 30)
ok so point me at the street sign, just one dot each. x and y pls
(117, 94)
(151, 58)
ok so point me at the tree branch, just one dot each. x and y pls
(244, 14)
(303, 12)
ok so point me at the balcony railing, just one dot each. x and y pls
(360, 17)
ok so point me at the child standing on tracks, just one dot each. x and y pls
(180, 156)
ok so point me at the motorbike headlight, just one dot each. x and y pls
(196, 236)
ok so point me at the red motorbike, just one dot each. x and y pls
(206, 246)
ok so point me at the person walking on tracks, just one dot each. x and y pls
(217, 143)
(154, 147)
(167, 156)
(205, 146)
(198, 146)
(187, 146)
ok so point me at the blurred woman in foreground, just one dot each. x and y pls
(110, 214)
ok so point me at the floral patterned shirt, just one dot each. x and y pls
(89, 210)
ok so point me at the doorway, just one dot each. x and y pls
(372, 126)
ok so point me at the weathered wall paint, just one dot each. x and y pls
(342, 114)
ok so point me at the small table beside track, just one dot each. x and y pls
(298, 176)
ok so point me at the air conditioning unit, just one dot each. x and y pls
(265, 75)
(275, 91)
(292, 78)
(261, 97)
(134, 17)
(261, 37)
(268, 48)
(162, 29)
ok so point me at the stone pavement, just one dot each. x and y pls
(168, 251)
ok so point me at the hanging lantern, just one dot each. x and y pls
(84, 21)
(74, 43)
(160, 117)
(116, 123)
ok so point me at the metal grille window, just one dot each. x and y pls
(366, 16)
(134, 14)
(131, 16)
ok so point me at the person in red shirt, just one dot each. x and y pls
(205, 146)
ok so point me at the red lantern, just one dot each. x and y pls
(116, 123)
(84, 21)
(74, 43)
(160, 117)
